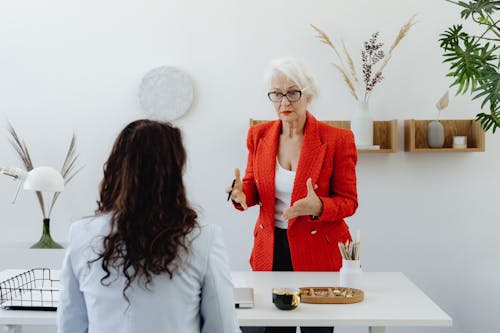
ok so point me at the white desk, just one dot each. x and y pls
(390, 300)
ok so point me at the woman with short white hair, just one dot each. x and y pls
(302, 174)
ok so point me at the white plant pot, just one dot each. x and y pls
(362, 125)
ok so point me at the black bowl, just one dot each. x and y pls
(286, 298)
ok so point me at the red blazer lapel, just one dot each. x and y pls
(266, 163)
(311, 158)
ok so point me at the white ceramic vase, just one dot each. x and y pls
(362, 125)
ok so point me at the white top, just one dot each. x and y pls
(197, 299)
(283, 186)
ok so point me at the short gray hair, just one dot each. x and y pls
(294, 69)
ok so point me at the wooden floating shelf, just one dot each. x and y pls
(415, 133)
(385, 134)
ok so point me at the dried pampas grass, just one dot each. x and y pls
(347, 80)
(348, 73)
(402, 34)
(443, 101)
(350, 62)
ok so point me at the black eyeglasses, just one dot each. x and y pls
(277, 97)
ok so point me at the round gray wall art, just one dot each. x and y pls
(166, 93)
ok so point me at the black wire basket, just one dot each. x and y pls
(34, 289)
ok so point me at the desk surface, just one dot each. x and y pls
(390, 300)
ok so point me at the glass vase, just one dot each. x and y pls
(46, 241)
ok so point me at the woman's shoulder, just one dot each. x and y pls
(201, 242)
(261, 130)
(203, 234)
(87, 228)
(89, 223)
(330, 132)
(263, 127)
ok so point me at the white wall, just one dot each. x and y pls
(76, 65)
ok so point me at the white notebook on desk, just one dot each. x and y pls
(243, 298)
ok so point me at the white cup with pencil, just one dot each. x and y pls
(350, 274)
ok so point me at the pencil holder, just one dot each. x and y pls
(351, 274)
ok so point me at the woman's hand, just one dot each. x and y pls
(310, 205)
(236, 191)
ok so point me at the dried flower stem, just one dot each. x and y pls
(442, 103)
(371, 54)
(347, 80)
(402, 34)
(350, 62)
(323, 37)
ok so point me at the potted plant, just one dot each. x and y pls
(474, 59)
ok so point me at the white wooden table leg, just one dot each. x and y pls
(376, 329)
(11, 329)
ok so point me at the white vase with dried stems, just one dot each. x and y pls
(371, 56)
(362, 125)
(68, 171)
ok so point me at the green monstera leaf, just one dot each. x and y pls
(474, 60)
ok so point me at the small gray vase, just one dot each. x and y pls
(435, 134)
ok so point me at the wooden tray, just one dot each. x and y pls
(331, 295)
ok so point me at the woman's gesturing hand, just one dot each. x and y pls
(236, 191)
(310, 205)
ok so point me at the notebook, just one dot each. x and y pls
(243, 298)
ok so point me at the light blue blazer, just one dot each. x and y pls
(199, 298)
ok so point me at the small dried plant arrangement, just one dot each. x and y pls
(69, 168)
(372, 66)
(442, 103)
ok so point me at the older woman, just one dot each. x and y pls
(302, 174)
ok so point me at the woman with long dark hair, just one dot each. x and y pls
(143, 263)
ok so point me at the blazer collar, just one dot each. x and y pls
(267, 151)
(311, 158)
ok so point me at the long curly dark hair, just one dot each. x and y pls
(143, 190)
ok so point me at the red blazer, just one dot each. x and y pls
(328, 155)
